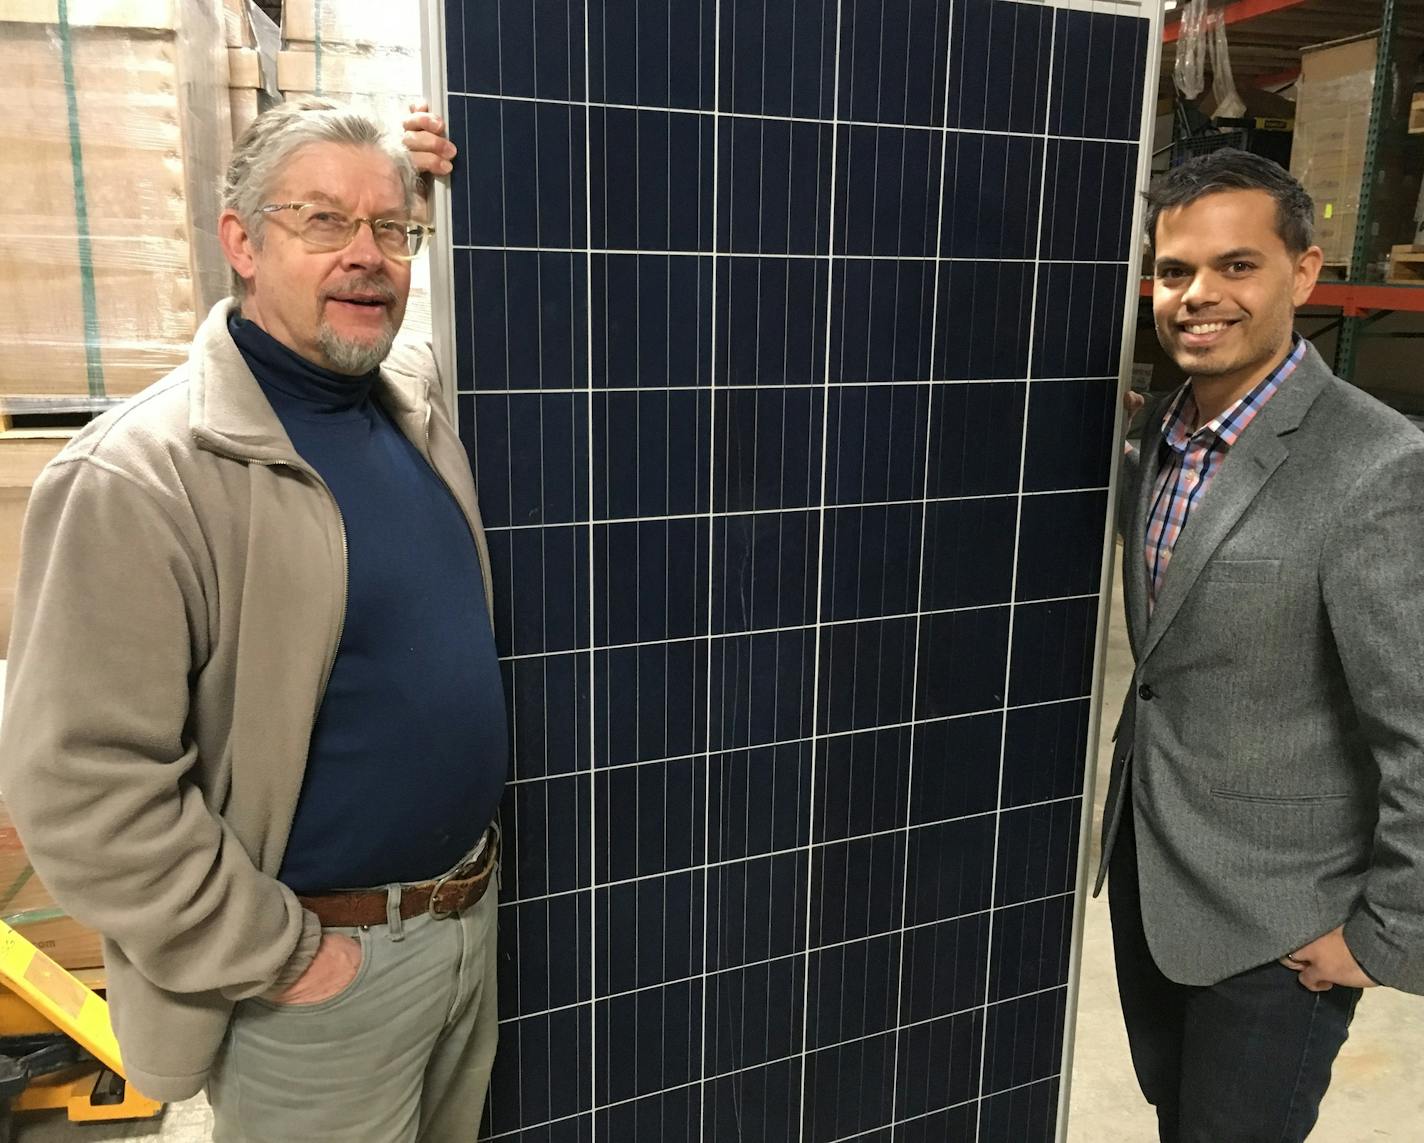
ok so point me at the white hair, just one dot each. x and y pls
(275, 136)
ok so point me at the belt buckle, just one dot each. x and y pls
(440, 883)
(461, 872)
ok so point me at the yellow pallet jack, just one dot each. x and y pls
(57, 1046)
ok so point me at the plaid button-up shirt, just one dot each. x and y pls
(1190, 460)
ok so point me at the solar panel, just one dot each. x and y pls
(786, 336)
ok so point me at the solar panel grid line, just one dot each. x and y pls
(816, 697)
(785, 256)
(1008, 666)
(827, 735)
(873, 1133)
(900, 1022)
(601, 105)
(922, 926)
(711, 567)
(769, 858)
(845, 506)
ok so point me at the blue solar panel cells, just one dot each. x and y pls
(786, 340)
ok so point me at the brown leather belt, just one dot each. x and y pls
(461, 888)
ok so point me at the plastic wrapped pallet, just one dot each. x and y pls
(1331, 132)
(252, 68)
(110, 156)
(392, 27)
(364, 54)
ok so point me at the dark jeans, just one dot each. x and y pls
(1243, 1061)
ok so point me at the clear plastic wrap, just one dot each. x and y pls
(252, 70)
(390, 27)
(1188, 69)
(110, 156)
(1229, 104)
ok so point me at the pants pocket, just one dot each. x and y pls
(363, 938)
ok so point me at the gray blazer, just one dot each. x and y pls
(1272, 739)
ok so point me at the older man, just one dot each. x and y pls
(1264, 829)
(255, 732)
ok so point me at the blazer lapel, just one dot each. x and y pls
(1249, 464)
(1134, 578)
(1134, 560)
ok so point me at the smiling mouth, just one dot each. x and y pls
(1202, 328)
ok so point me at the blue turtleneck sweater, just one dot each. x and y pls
(410, 746)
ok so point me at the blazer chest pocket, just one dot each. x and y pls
(1243, 571)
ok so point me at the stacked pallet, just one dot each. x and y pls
(366, 55)
(109, 155)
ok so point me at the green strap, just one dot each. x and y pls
(93, 363)
(19, 883)
(35, 916)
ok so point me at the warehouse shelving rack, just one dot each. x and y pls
(1362, 303)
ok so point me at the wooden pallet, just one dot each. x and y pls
(1406, 265)
(1335, 272)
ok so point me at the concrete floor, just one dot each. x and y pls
(1372, 1095)
(1372, 1098)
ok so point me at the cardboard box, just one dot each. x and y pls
(354, 71)
(376, 25)
(1331, 135)
(110, 156)
(27, 906)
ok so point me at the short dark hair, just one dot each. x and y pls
(1232, 170)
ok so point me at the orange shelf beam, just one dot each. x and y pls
(1354, 299)
(1234, 13)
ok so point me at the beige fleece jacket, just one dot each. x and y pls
(181, 591)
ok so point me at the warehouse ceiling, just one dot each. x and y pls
(1265, 49)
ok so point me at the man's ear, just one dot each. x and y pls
(237, 245)
(1307, 272)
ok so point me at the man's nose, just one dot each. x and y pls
(1204, 290)
(362, 249)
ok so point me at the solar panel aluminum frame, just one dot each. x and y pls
(1154, 13)
(444, 311)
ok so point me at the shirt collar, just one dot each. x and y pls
(1230, 424)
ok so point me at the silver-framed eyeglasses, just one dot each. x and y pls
(325, 227)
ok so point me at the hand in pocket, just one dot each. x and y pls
(337, 960)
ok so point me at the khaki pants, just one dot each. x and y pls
(402, 1055)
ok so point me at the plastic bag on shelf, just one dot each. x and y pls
(1229, 104)
(1188, 71)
